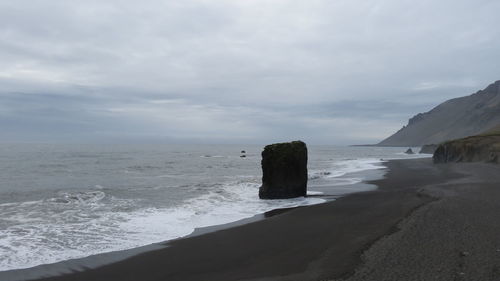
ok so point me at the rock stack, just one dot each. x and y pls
(284, 170)
(409, 151)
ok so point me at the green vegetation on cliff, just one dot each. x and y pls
(495, 131)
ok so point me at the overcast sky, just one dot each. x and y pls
(236, 71)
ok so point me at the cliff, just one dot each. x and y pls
(480, 148)
(453, 119)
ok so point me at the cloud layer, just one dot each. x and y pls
(333, 72)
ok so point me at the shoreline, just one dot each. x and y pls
(298, 244)
(74, 267)
(106, 258)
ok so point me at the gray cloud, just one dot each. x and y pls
(236, 71)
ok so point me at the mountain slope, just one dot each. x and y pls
(493, 131)
(453, 119)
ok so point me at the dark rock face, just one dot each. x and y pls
(409, 151)
(453, 119)
(482, 148)
(284, 170)
(428, 148)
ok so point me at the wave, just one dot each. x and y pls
(88, 197)
(79, 224)
(82, 223)
(141, 168)
(341, 168)
(212, 156)
(313, 193)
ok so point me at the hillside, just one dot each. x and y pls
(453, 119)
(493, 131)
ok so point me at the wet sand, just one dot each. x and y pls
(425, 222)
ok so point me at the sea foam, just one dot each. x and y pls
(77, 222)
(75, 225)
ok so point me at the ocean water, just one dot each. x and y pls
(60, 202)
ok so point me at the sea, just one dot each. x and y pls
(60, 202)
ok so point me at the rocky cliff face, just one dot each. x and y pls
(453, 119)
(284, 170)
(481, 148)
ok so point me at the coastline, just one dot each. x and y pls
(328, 193)
(305, 243)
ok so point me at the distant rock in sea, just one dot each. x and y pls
(453, 119)
(480, 148)
(428, 148)
(284, 170)
(409, 151)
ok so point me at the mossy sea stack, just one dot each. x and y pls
(284, 170)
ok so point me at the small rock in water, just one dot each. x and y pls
(409, 151)
(243, 151)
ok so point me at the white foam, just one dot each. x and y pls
(341, 168)
(341, 181)
(212, 156)
(236, 201)
(356, 165)
(85, 223)
(402, 155)
(311, 192)
(79, 224)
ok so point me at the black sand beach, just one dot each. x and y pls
(425, 222)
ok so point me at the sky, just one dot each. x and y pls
(236, 71)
